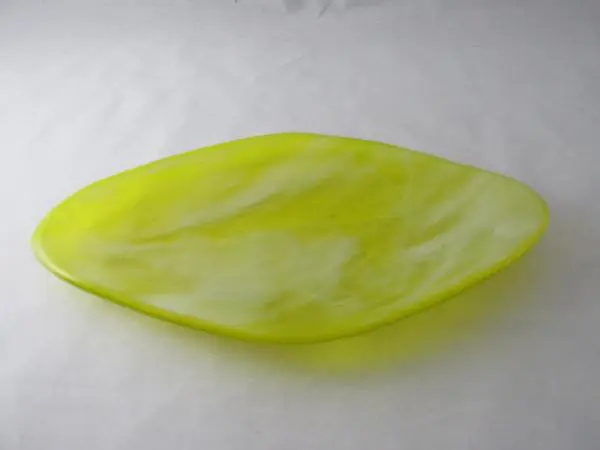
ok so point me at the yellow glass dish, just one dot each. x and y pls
(290, 237)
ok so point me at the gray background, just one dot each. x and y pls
(88, 88)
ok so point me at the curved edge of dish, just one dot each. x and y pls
(232, 332)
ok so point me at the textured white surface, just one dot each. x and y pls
(89, 88)
(321, 6)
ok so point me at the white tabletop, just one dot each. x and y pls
(88, 88)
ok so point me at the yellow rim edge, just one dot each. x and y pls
(211, 327)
